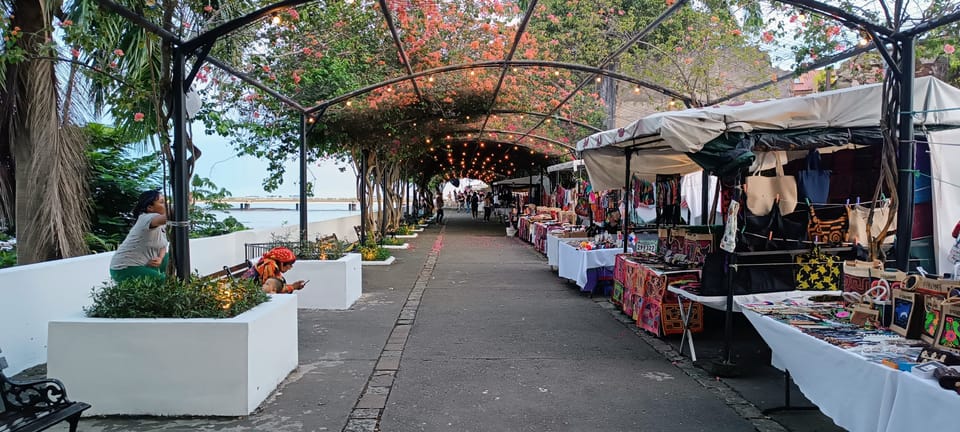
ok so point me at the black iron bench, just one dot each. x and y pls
(35, 405)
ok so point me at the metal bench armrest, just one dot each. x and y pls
(33, 395)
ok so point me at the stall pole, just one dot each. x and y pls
(907, 154)
(363, 197)
(303, 180)
(625, 221)
(180, 224)
(704, 199)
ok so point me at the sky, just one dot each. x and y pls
(243, 175)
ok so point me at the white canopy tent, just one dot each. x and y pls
(662, 142)
(525, 182)
(664, 139)
(573, 165)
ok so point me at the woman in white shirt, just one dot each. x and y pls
(144, 252)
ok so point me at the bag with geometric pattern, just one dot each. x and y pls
(817, 271)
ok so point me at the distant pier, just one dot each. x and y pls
(246, 203)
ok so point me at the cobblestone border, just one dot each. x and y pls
(367, 412)
(717, 386)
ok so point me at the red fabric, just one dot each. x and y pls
(281, 255)
(956, 230)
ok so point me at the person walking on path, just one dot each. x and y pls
(475, 205)
(487, 207)
(440, 209)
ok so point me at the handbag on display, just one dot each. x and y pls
(932, 286)
(908, 313)
(772, 231)
(817, 271)
(858, 215)
(931, 318)
(813, 183)
(866, 307)
(763, 191)
(830, 231)
(948, 330)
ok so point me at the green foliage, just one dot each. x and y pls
(373, 252)
(116, 181)
(172, 298)
(8, 258)
(393, 241)
(405, 230)
(206, 198)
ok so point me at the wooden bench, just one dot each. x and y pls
(35, 405)
(233, 272)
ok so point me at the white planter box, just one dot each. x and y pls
(208, 367)
(414, 235)
(387, 261)
(334, 284)
(403, 246)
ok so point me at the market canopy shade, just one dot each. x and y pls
(566, 166)
(664, 142)
(525, 182)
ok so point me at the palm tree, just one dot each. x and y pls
(43, 172)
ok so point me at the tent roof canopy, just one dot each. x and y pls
(722, 138)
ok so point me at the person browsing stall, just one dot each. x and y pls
(143, 252)
(272, 266)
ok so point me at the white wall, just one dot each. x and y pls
(32, 295)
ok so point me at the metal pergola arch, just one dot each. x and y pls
(199, 47)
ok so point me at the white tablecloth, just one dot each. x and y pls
(720, 302)
(553, 246)
(573, 264)
(857, 394)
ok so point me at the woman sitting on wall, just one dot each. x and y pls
(143, 252)
(272, 266)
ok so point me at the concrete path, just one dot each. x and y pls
(470, 331)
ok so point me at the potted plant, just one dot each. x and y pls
(169, 347)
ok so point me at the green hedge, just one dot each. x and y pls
(172, 298)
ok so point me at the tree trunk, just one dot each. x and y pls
(50, 166)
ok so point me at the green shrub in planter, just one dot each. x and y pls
(173, 298)
(393, 241)
(373, 252)
(405, 230)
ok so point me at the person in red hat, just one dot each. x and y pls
(272, 266)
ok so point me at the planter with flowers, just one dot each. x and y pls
(374, 254)
(154, 347)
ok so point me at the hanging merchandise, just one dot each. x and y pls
(763, 191)
(813, 183)
(817, 271)
(729, 242)
(830, 231)
(668, 199)
(858, 216)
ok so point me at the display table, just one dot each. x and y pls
(640, 290)
(720, 303)
(857, 393)
(553, 244)
(574, 264)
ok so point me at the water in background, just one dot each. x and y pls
(270, 215)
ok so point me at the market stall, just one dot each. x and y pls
(860, 378)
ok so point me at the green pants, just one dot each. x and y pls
(141, 271)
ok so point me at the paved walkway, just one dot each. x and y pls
(470, 331)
